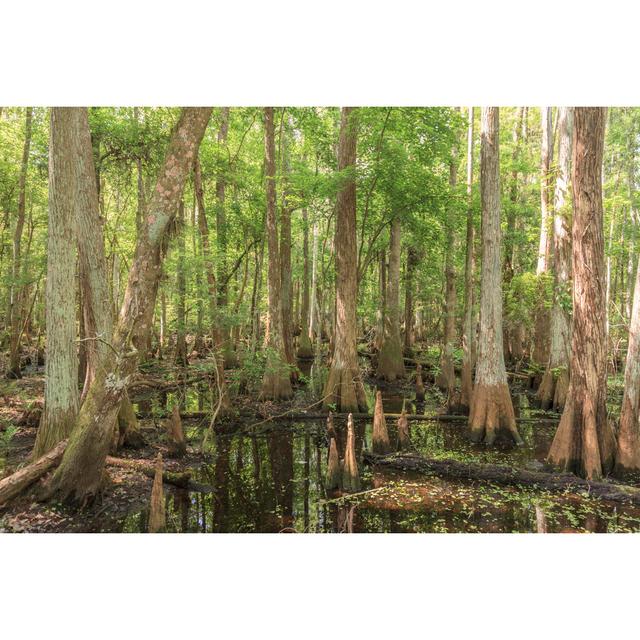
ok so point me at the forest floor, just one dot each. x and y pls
(255, 474)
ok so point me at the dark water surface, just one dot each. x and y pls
(274, 482)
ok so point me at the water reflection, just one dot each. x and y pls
(274, 482)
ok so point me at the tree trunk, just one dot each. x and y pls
(228, 353)
(628, 447)
(97, 320)
(203, 227)
(412, 262)
(542, 318)
(181, 286)
(628, 450)
(276, 383)
(584, 442)
(553, 388)
(344, 386)
(491, 407)
(447, 378)
(512, 346)
(79, 476)
(391, 359)
(468, 330)
(305, 347)
(61, 365)
(286, 300)
(381, 312)
(16, 292)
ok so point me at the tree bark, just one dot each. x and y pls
(553, 388)
(542, 318)
(181, 290)
(468, 331)
(285, 265)
(412, 262)
(203, 228)
(447, 377)
(584, 442)
(79, 475)
(628, 446)
(61, 365)
(344, 387)
(228, 353)
(390, 358)
(305, 347)
(276, 383)
(17, 482)
(491, 407)
(16, 292)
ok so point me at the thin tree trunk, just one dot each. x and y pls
(468, 331)
(286, 300)
(390, 358)
(344, 387)
(228, 353)
(203, 227)
(447, 378)
(542, 318)
(16, 293)
(628, 449)
(305, 347)
(584, 442)
(79, 475)
(61, 365)
(491, 407)
(276, 383)
(412, 261)
(181, 287)
(553, 388)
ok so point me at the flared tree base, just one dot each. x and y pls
(628, 445)
(391, 361)
(305, 349)
(491, 415)
(552, 392)
(584, 443)
(276, 387)
(344, 391)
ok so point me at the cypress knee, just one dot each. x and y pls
(350, 475)
(381, 443)
(157, 518)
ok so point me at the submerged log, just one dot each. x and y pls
(17, 482)
(381, 444)
(350, 474)
(506, 475)
(404, 433)
(157, 516)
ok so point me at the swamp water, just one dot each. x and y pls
(273, 481)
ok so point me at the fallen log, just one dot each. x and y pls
(606, 490)
(17, 482)
(359, 416)
(182, 480)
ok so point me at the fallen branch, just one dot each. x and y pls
(506, 475)
(17, 482)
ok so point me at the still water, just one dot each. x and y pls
(274, 482)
